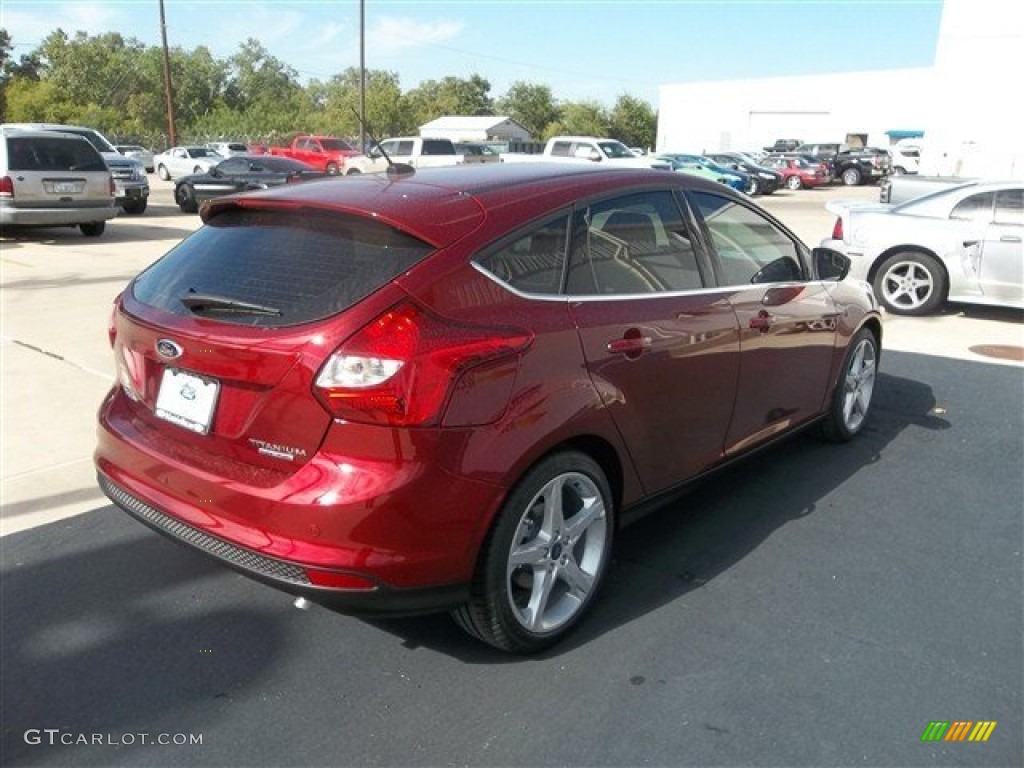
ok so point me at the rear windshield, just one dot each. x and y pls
(296, 266)
(52, 154)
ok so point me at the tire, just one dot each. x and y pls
(332, 169)
(163, 173)
(753, 188)
(910, 283)
(185, 197)
(851, 401)
(851, 177)
(136, 206)
(197, 169)
(794, 182)
(538, 571)
(353, 172)
(93, 228)
(897, 171)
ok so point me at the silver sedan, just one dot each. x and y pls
(962, 244)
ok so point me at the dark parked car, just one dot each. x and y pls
(764, 179)
(448, 389)
(859, 166)
(240, 173)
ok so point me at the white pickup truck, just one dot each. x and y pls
(577, 149)
(412, 151)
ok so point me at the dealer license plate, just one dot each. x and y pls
(64, 187)
(187, 400)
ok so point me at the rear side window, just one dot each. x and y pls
(52, 155)
(533, 263)
(295, 266)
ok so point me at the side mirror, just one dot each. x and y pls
(829, 264)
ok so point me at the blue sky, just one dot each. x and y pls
(583, 50)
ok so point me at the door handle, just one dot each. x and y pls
(762, 321)
(632, 344)
(1009, 239)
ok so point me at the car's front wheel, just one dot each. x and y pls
(544, 559)
(185, 197)
(163, 173)
(752, 187)
(852, 399)
(332, 169)
(794, 182)
(910, 283)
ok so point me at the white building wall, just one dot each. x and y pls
(970, 104)
(749, 114)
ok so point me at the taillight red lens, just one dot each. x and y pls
(6, 186)
(112, 325)
(399, 369)
(837, 229)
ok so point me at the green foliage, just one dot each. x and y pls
(116, 84)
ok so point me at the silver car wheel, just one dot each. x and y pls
(907, 285)
(557, 552)
(859, 384)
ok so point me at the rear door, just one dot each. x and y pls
(661, 348)
(219, 342)
(787, 322)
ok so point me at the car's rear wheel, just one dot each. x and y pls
(752, 187)
(332, 169)
(852, 399)
(185, 197)
(163, 173)
(794, 182)
(544, 559)
(910, 283)
(851, 177)
(93, 228)
(136, 206)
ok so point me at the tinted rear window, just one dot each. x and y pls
(52, 154)
(307, 265)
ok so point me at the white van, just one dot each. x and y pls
(906, 156)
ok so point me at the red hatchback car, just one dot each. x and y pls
(447, 390)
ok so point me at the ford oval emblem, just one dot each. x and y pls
(168, 349)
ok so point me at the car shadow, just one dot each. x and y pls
(688, 543)
(114, 637)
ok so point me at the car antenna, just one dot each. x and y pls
(394, 169)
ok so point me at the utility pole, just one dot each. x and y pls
(362, 75)
(172, 136)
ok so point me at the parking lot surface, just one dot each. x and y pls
(816, 605)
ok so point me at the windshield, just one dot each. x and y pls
(101, 144)
(615, 149)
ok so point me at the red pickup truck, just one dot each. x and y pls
(325, 153)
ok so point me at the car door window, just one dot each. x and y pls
(634, 244)
(233, 165)
(975, 208)
(534, 262)
(750, 248)
(1010, 207)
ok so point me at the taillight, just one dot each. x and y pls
(113, 187)
(400, 368)
(6, 187)
(112, 325)
(837, 229)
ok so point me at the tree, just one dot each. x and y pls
(580, 118)
(450, 96)
(532, 106)
(633, 122)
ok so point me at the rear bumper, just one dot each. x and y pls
(54, 217)
(375, 600)
(383, 530)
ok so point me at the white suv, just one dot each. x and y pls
(50, 179)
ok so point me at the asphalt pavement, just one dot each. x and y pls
(817, 605)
